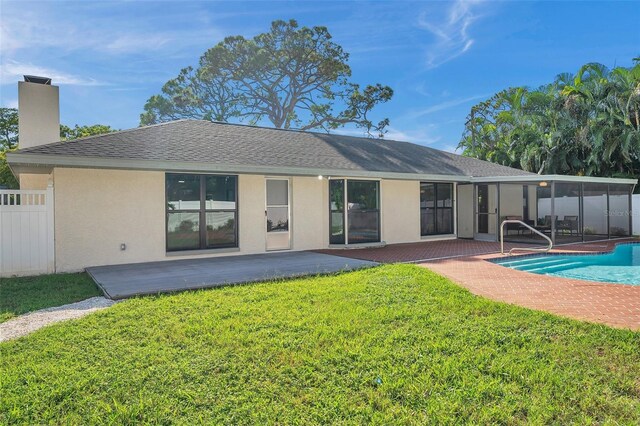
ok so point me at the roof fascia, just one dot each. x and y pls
(554, 178)
(18, 161)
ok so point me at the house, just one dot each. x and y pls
(192, 188)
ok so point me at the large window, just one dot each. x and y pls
(201, 211)
(362, 215)
(436, 208)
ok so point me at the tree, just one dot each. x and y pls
(8, 128)
(70, 133)
(290, 76)
(9, 140)
(7, 179)
(587, 123)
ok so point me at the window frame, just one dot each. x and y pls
(202, 214)
(435, 209)
(345, 211)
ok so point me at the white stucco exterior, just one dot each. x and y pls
(98, 210)
(39, 114)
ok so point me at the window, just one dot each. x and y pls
(336, 212)
(363, 212)
(360, 221)
(436, 208)
(202, 211)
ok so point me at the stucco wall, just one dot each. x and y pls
(97, 210)
(310, 213)
(39, 114)
(510, 200)
(400, 211)
(34, 181)
(251, 221)
(465, 211)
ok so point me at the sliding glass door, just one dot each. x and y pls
(436, 208)
(354, 207)
(336, 212)
(363, 218)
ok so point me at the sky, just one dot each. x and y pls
(441, 58)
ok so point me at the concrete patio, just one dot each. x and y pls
(122, 281)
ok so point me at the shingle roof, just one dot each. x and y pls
(219, 143)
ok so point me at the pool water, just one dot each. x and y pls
(621, 266)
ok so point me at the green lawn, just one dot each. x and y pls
(25, 294)
(391, 345)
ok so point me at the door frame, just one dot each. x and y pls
(289, 219)
(486, 236)
(345, 212)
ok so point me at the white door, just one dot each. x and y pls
(465, 210)
(278, 214)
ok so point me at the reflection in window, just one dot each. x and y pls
(336, 211)
(363, 212)
(619, 210)
(436, 208)
(183, 192)
(567, 211)
(595, 211)
(221, 229)
(183, 231)
(193, 200)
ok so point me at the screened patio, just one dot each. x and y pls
(568, 209)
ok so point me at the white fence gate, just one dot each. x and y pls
(26, 232)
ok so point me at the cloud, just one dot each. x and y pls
(132, 43)
(451, 31)
(13, 71)
(444, 105)
(450, 148)
(99, 28)
(422, 135)
(11, 103)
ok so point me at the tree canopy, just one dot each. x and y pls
(587, 123)
(8, 128)
(77, 132)
(291, 76)
(9, 140)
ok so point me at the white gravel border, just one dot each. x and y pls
(32, 321)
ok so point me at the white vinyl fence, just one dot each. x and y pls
(26, 232)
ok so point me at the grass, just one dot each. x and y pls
(25, 294)
(395, 344)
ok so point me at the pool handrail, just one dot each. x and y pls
(542, 250)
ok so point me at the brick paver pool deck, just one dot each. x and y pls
(616, 305)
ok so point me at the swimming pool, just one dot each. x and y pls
(621, 266)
